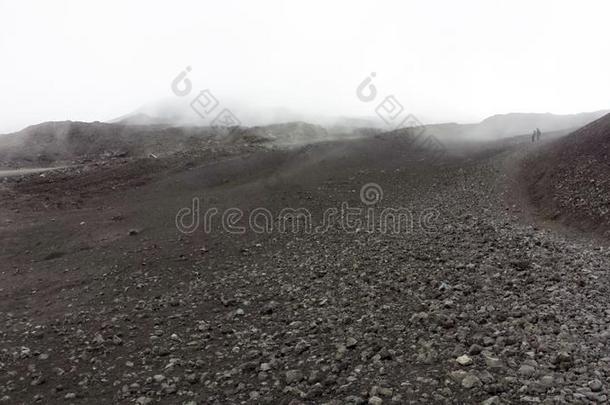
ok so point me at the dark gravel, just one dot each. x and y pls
(478, 306)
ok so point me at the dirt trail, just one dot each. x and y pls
(21, 172)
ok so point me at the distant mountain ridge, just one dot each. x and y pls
(140, 134)
(139, 119)
(65, 141)
(496, 126)
(502, 125)
(62, 141)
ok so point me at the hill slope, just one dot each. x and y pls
(569, 179)
(54, 143)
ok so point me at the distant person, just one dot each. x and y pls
(534, 136)
(538, 133)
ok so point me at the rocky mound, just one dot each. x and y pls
(53, 143)
(570, 179)
(66, 141)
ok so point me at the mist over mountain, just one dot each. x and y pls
(520, 123)
(168, 128)
(178, 112)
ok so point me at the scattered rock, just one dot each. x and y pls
(464, 360)
(294, 376)
(595, 385)
(470, 381)
(527, 370)
(350, 343)
(375, 401)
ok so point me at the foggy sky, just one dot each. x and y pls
(443, 60)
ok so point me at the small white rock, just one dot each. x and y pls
(375, 401)
(464, 360)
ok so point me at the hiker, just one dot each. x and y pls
(538, 133)
(534, 136)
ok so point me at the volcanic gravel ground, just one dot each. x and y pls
(107, 302)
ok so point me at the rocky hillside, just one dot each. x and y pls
(569, 179)
(66, 141)
(54, 143)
